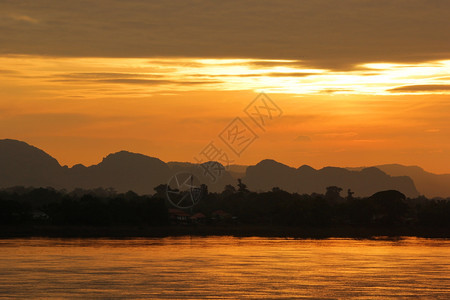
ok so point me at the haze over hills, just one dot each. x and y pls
(307, 180)
(122, 171)
(22, 164)
(428, 184)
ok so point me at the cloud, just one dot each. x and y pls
(423, 88)
(8, 72)
(302, 138)
(212, 74)
(269, 74)
(154, 81)
(24, 18)
(338, 135)
(257, 64)
(319, 33)
(332, 91)
(113, 75)
(124, 78)
(295, 119)
(433, 130)
(288, 74)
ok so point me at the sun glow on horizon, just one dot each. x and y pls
(97, 77)
(80, 109)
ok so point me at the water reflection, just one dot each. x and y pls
(224, 267)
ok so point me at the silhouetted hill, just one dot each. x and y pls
(306, 180)
(269, 173)
(237, 171)
(25, 165)
(123, 171)
(22, 164)
(428, 184)
(213, 174)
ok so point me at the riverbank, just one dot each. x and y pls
(219, 230)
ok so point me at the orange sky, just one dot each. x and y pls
(65, 87)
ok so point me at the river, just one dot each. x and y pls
(224, 268)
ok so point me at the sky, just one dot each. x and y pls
(345, 83)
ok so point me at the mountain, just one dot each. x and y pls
(429, 184)
(306, 180)
(213, 174)
(123, 171)
(237, 171)
(23, 164)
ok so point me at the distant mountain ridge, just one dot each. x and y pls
(22, 164)
(428, 184)
(307, 180)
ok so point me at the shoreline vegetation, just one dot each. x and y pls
(103, 213)
(124, 232)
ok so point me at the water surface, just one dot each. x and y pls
(224, 267)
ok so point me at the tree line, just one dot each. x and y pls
(104, 207)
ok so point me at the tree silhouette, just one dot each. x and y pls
(161, 190)
(276, 207)
(333, 193)
(350, 194)
(389, 206)
(242, 187)
(229, 190)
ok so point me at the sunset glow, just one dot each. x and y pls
(131, 77)
(342, 114)
(239, 149)
(360, 88)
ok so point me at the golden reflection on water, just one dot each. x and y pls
(224, 267)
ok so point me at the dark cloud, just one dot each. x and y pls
(270, 74)
(319, 33)
(294, 74)
(8, 72)
(124, 78)
(331, 91)
(268, 64)
(137, 81)
(154, 81)
(422, 88)
(106, 75)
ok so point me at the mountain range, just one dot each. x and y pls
(26, 165)
(428, 184)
